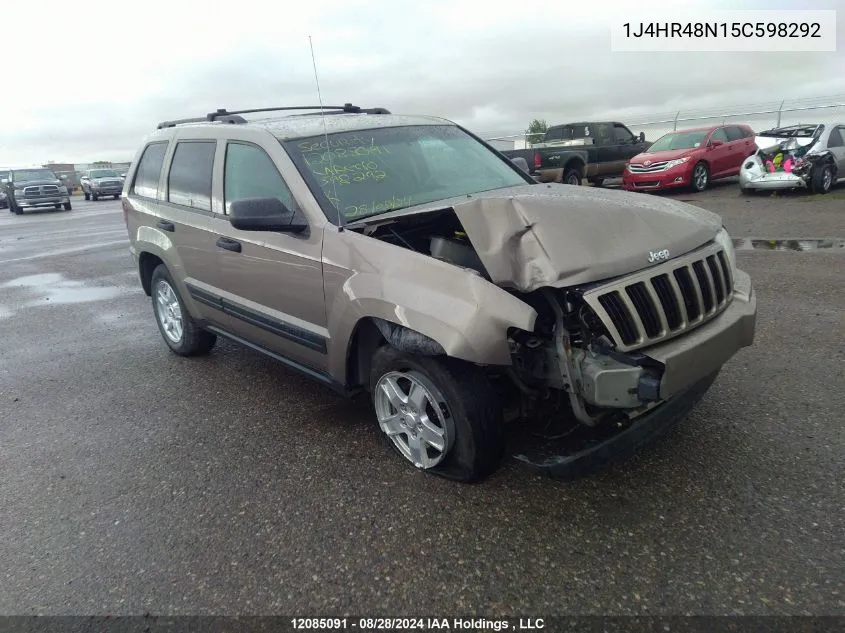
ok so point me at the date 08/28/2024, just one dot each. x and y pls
(722, 29)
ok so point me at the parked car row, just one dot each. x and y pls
(792, 157)
(806, 156)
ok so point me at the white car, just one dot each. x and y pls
(796, 157)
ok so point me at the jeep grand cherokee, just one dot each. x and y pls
(404, 258)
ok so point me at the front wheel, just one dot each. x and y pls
(179, 330)
(87, 196)
(67, 206)
(94, 197)
(439, 414)
(116, 196)
(597, 182)
(700, 177)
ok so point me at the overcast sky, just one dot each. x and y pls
(96, 76)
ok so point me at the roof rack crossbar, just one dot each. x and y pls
(224, 116)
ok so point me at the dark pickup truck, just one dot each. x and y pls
(594, 150)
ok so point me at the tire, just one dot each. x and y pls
(192, 340)
(596, 182)
(87, 196)
(94, 197)
(14, 208)
(700, 177)
(746, 191)
(822, 179)
(116, 196)
(572, 176)
(57, 206)
(68, 206)
(470, 416)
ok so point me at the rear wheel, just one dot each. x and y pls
(179, 330)
(572, 176)
(700, 177)
(439, 414)
(822, 179)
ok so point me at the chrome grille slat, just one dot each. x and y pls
(666, 300)
(679, 298)
(718, 278)
(635, 316)
(658, 307)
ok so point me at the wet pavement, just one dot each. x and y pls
(135, 481)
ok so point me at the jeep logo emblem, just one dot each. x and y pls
(656, 256)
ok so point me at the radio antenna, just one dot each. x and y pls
(336, 201)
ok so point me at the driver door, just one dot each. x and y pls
(272, 282)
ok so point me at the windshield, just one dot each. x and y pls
(103, 173)
(679, 140)
(370, 172)
(25, 175)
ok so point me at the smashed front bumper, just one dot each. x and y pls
(688, 366)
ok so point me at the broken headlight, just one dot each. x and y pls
(724, 240)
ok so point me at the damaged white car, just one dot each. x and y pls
(796, 157)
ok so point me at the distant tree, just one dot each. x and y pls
(537, 126)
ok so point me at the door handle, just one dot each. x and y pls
(229, 244)
(165, 226)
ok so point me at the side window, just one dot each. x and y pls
(251, 173)
(835, 139)
(734, 133)
(149, 170)
(189, 181)
(719, 135)
(553, 134)
(604, 134)
(623, 135)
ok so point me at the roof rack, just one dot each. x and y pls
(224, 116)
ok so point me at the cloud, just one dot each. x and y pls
(492, 67)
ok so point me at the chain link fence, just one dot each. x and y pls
(759, 116)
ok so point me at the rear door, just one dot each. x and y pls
(189, 221)
(719, 156)
(739, 148)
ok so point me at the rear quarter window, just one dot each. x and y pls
(189, 180)
(149, 170)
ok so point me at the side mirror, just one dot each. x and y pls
(265, 214)
(520, 162)
(716, 143)
(641, 137)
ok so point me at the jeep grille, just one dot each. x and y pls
(666, 300)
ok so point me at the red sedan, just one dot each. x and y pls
(690, 158)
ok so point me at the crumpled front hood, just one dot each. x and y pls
(563, 235)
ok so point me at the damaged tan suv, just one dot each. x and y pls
(403, 258)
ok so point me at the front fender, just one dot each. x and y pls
(468, 317)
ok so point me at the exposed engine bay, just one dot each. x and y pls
(569, 355)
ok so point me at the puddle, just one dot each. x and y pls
(811, 244)
(52, 288)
